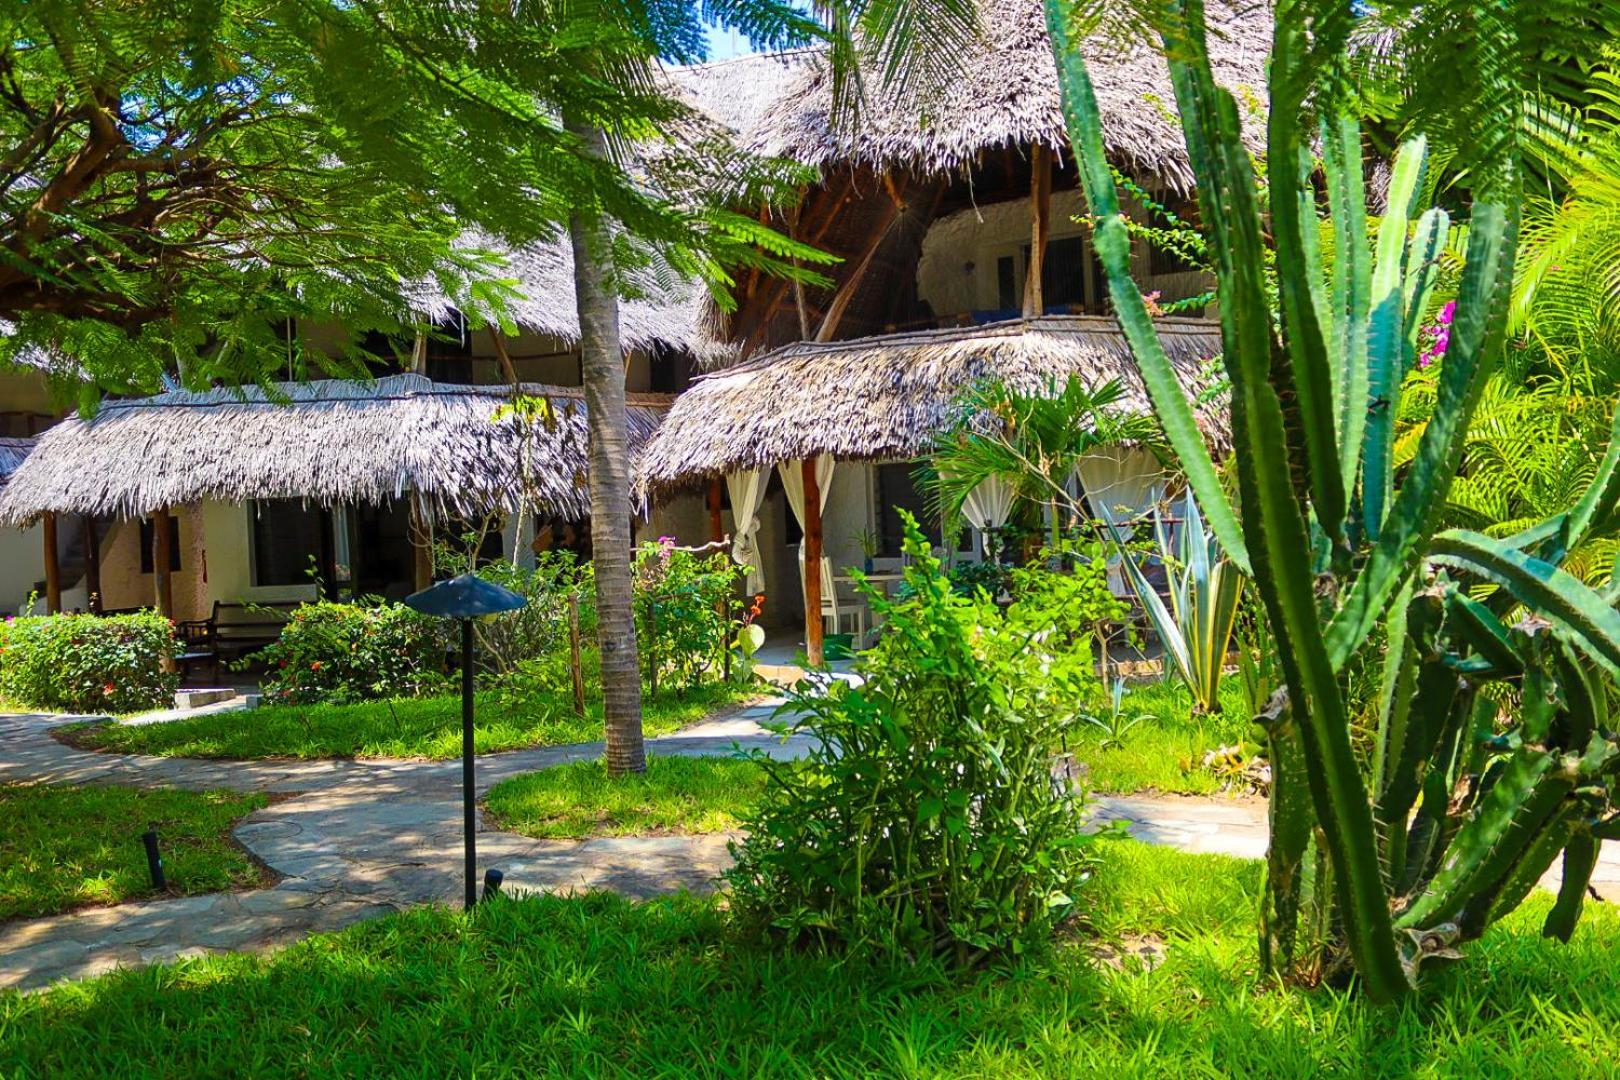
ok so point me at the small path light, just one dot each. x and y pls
(467, 597)
(492, 882)
(154, 860)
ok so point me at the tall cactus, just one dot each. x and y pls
(1462, 803)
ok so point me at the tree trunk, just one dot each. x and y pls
(602, 369)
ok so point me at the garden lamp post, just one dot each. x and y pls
(467, 597)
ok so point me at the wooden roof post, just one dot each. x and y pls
(53, 568)
(1040, 213)
(421, 544)
(92, 564)
(812, 563)
(717, 521)
(508, 369)
(162, 555)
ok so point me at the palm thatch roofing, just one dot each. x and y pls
(12, 452)
(887, 397)
(1007, 95)
(327, 442)
(660, 308)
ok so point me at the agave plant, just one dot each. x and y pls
(1204, 588)
(1493, 754)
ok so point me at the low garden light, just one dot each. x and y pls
(467, 597)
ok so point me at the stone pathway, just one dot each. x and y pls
(358, 839)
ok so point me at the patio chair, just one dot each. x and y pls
(835, 609)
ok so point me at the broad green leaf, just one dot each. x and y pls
(1386, 334)
(1113, 244)
(1422, 499)
(1545, 589)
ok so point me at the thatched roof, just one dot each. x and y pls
(328, 442)
(662, 309)
(1007, 95)
(886, 397)
(12, 452)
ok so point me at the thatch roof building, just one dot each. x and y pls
(328, 442)
(1007, 95)
(887, 397)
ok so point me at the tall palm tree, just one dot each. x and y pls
(602, 371)
(909, 47)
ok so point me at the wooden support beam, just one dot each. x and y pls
(1040, 213)
(421, 545)
(846, 290)
(812, 563)
(508, 370)
(751, 325)
(717, 521)
(162, 557)
(92, 564)
(53, 568)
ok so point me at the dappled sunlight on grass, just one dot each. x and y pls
(675, 794)
(1165, 751)
(401, 728)
(65, 847)
(601, 986)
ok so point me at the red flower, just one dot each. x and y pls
(108, 689)
(315, 665)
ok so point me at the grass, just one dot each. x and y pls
(1166, 752)
(68, 847)
(598, 986)
(674, 795)
(405, 728)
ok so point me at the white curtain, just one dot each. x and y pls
(1122, 483)
(988, 504)
(792, 474)
(747, 490)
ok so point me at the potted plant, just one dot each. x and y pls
(869, 547)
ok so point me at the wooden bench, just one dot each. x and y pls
(239, 628)
(196, 639)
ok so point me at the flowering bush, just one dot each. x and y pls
(341, 653)
(85, 663)
(684, 604)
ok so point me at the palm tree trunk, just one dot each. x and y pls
(602, 368)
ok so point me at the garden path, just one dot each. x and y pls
(355, 839)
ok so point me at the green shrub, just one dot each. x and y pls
(927, 819)
(86, 663)
(684, 605)
(342, 653)
(539, 630)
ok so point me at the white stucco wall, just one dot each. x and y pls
(956, 273)
(22, 566)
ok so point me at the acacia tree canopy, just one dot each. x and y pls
(178, 179)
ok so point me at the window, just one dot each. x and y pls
(1007, 296)
(449, 350)
(896, 491)
(288, 537)
(1065, 284)
(382, 561)
(149, 539)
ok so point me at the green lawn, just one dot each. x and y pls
(1164, 753)
(598, 986)
(674, 795)
(66, 847)
(405, 728)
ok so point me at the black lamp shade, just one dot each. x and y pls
(466, 597)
